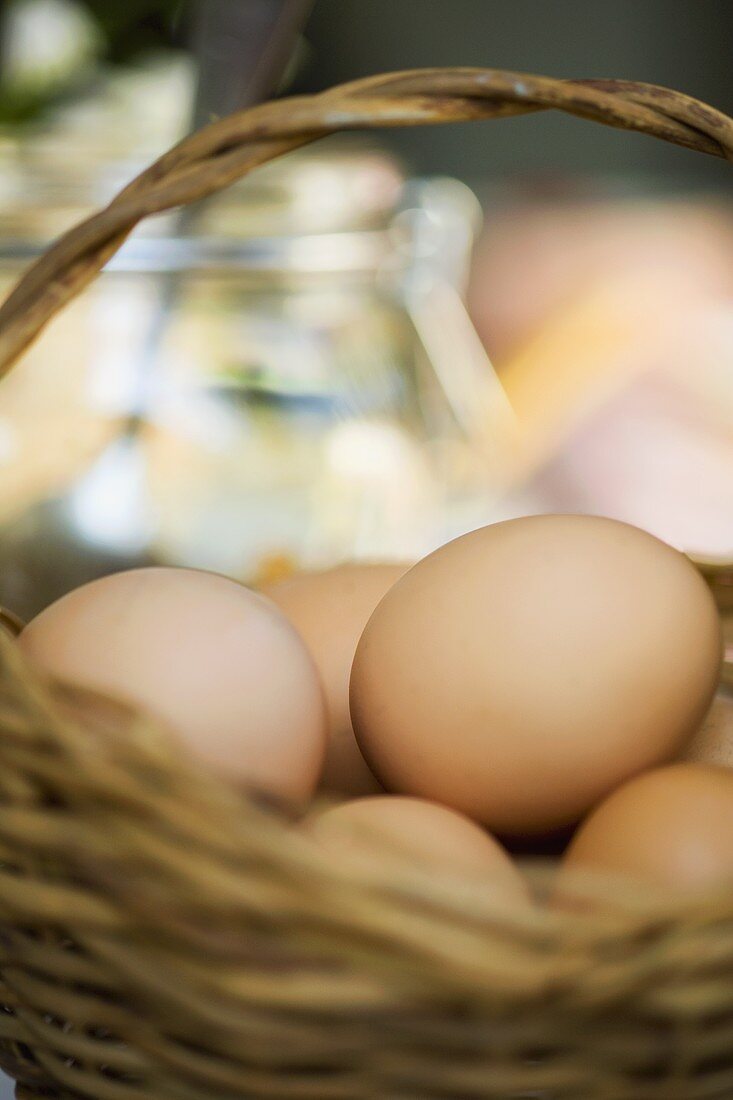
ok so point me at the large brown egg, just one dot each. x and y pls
(330, 609)
(214, 661)
(439, 839)
(523, 671)
(672, 828)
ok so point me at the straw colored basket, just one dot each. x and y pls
(161, 938)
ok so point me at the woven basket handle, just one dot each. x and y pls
(222, 152)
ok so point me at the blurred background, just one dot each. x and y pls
(382, 341)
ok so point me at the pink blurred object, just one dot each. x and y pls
(537, 256)
(611, 326)
(650, 459)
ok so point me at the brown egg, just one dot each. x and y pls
(671, 827)
(330, 610)
(218, 663)
(523, 671)
(713, 742)
(424, 832)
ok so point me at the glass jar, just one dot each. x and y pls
(285, 376)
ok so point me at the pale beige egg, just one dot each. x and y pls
(523, 671)
(387, 827)
(671, 828)
(330, 609)
(219, 664)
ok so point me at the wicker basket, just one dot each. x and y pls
(163, 938)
